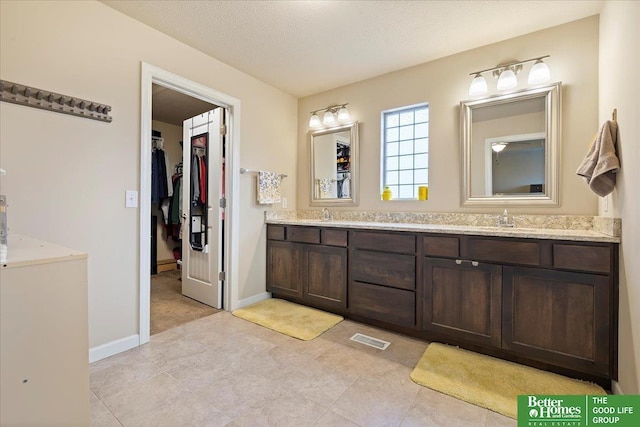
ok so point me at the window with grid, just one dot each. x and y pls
(405, 148)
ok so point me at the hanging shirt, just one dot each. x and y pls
(195, 179)
(203, 180)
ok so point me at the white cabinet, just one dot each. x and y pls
(44, 355)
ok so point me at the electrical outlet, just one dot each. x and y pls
(605, 203)
(284, 202)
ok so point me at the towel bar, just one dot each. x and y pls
(243, 171)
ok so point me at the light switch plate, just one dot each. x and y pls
(131, 199)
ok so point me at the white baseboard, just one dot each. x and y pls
(615, 387)
(252, 300)
(113, 347)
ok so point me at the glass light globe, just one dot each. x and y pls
(314, 121)
(478, 86)
(498, 146)
(328, 118)
(539, 73)
(507, 80)
(343, 115)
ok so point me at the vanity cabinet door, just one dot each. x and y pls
(325, 276)
(462, 300)
(284, 268)
(559, 317)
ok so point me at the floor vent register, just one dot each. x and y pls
(370, 341)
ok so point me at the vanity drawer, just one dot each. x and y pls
(389, 305)
(582, 257)
(395, 270)
(331, 237)
(502, 250)
(303, 234)
(440, 246)
(275, 232)
(387, 242)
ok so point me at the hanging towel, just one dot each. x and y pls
(325, 188)
(600, 165)
(346, 188)
(268, 187)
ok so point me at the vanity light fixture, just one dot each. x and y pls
(506, 75)
(329, 116)
(498, 146)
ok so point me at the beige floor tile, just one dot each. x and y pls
(168, 353)
(188, 411)
(498, 420)
(287, 410)
(133, 404)
(331, 419)
(348, 359)
(378, 400)
(433, 409)
(100, 415)
(404, 350)
(224, 371)
(235, 392)
(115, 373)
(317, 382)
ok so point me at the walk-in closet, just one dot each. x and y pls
(170, 223)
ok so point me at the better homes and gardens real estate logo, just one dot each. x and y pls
(578, 411)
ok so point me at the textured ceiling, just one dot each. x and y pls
(306, 47)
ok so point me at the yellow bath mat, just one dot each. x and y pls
(489, 382)
(288, 318)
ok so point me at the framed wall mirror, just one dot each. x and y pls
(511, 148)
(334, 166)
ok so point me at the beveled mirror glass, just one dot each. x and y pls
(334, 166)
(510, 145)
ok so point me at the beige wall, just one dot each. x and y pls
(67, 176)
(619, 88)
(444, 83)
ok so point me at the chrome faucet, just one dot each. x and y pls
(326, 215)
(503, 220)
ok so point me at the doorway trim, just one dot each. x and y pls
(151, 74)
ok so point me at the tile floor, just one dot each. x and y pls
(224, 371)
(169, 308)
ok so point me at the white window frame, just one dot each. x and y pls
(384, 155)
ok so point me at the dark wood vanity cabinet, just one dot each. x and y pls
(463, 300)
(308, 264)
(548, 303)
(383, 277)
(558, 317)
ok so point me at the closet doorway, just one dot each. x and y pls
(184, 263)
(186, 185)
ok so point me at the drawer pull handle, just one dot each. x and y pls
(473, 263)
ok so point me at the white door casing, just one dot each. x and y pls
(153, 75)
(200, 268)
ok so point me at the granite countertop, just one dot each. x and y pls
(537, 233)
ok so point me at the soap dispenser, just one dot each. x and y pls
(387, 194)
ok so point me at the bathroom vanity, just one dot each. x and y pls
(545, 298)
